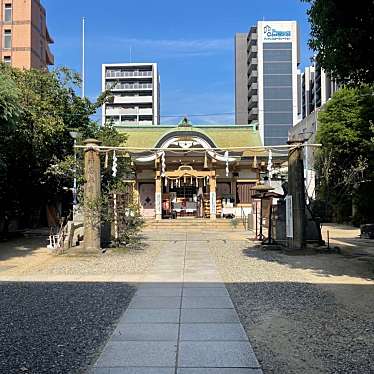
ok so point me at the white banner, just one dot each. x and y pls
(158, 203)
(289, 217)
(213, 210)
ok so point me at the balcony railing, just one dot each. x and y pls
(133, 123)
(253, 114)
(252, 64)
(253, 76)
(253, 87)
(253, 101)
(128, 86)
(129, 111)
(252, 52)
(252, 61)
(125, 74)
(252, 37)
(133, 99)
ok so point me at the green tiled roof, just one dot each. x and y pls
(223, 136)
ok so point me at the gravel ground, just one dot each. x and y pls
(60, 327)
(128, 261)
(301, 314)
(74, 264)
(57, 327)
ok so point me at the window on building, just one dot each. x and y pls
(8, 13)
(7, 60)
(7, 39)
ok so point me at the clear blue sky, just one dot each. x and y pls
(192, 41)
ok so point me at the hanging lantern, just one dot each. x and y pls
(191, 180)
(204, 182)
(184, 179)
(197, 182)
(205, 161)
(166, 182)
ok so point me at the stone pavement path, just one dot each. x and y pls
(181, 319)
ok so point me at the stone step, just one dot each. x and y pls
(193, 229)
(218, 226)
(190, 225)
(186, 224)
(192, 221)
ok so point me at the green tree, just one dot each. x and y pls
(37, 111)
(345, 162)
(9, 114)
(342, 36)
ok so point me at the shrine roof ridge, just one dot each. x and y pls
(168, 126)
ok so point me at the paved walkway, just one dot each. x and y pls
(181, 319)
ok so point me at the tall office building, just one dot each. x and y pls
(266, 79)
(24, 35)
(136, 91)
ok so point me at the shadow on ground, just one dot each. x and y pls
(57, 327)
(304, 328)
(20, 247)
(337, 264)
(60, 328)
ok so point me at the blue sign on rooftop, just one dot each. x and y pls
(274, 34)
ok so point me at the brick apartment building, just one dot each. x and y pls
(25, 39)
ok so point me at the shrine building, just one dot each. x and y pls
(198, 171)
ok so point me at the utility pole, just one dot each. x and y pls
(83, 57)
(315, 91)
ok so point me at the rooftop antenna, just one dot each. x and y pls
(83, 57)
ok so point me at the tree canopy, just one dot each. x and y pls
(345, 161)
(38, 109)
(342, 36)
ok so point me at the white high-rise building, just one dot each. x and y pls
(316, 88)
(266, 72)
(136, 91)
